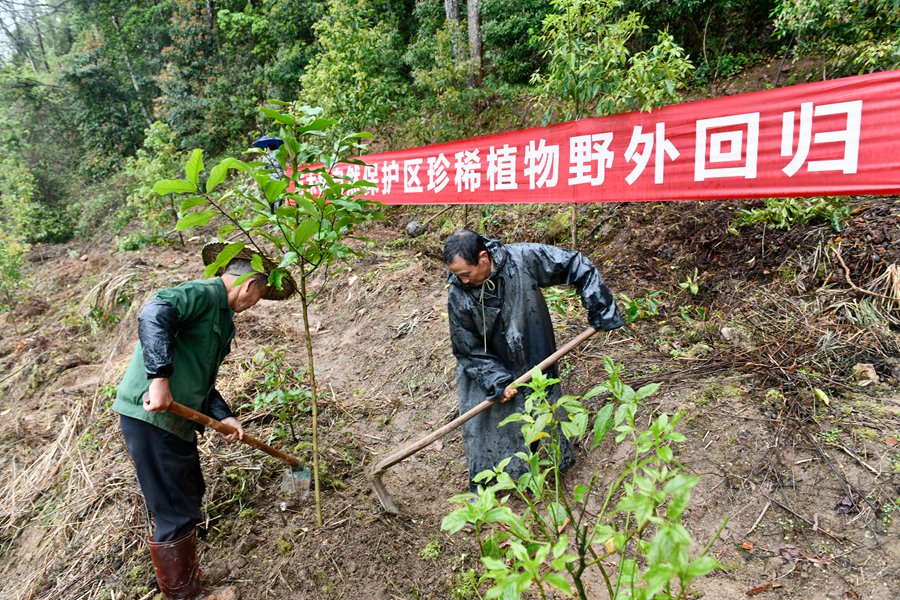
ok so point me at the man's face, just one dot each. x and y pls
(248, 294)
(471, 274)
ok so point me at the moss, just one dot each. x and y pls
(716, 391)
(284, 546)
(866, 433)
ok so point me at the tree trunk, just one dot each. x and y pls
(131, 74)
(314, 399)
(39, 38)
(474, 21)
(451, 10)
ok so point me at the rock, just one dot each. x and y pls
(893, 367)
(864, 374)
(698, 351)
(83, 258)
(737, 336)
(559, 226)
(414, 228)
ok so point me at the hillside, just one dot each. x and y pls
(808, 484)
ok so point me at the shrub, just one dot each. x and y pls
(555, 539)
(785, 213)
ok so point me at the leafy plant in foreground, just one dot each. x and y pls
(556, 538)
(306, 219)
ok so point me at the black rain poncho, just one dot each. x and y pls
(501, 328)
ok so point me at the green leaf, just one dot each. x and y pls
(664, 453)
(257, 264)
(559, 582)
(273, 189)
(317, 125)
(277, 116)
(289, 259)
(304, 231)
(657, 577)
(193, 167)
(219, 172)
(195, 219)
(456, 520)
(702, 566)
(229, 252)
(647, 390)
(173, 186)
(190, 203)
(603, 423)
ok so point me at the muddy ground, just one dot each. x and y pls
(808, 485)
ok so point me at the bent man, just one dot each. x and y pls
(184, 333)
(500, 328)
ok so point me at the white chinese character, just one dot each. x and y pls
(541, 164)
(370, 174)
(585, 151)
(733, 140)
(663, 148)
(352, 173)
(411, 181)
(501, 169)
(849, 136)
(437, 172)
(468, 171)
(390, 174)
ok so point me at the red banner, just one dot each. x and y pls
(839, 137)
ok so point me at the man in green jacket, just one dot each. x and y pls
(184, 333)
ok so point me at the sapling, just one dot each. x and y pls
(631, 517)
(305, 219)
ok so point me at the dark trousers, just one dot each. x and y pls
(168, 471)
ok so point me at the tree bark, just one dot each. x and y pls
(451, 10)
(131, 73)
(474, 22)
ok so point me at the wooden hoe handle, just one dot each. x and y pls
(198, 417)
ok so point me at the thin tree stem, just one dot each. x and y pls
(314, 399)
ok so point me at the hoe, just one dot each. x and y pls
(377, 471)
(298, 483)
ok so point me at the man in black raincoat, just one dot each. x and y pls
(500, 328)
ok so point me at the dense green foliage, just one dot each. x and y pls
(83, 83)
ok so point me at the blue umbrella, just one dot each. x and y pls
(268, 142)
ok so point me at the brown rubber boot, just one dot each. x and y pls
(178, 571)
(177, 567)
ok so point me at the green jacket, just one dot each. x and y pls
(202, 339)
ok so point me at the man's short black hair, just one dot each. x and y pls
(465, 244)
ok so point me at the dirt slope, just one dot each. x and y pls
(809, 488)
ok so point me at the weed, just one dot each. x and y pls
(641, 307)
(785, 213)
(284, 546)
(432, 550)
(466, 586)
(689, 312)
(691, 283)
(562, 302)
(281, 390)
(832, 436)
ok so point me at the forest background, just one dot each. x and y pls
(101, 98)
